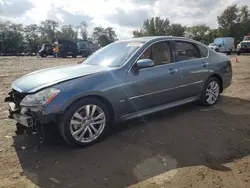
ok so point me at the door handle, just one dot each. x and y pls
(204, 64)
(172, 71)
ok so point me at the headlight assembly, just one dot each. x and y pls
(40, 98)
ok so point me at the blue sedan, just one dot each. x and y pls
(124, 80)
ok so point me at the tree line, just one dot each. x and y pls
(18, 38)
(234, 21)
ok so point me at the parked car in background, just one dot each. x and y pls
(244, 46)
(46, 50)
(67, 48)
(223, 44)
(124, 80)
(85, 48)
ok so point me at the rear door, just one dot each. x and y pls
(192, 61)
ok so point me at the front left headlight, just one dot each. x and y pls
(40, 98)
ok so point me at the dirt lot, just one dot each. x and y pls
(188, 146)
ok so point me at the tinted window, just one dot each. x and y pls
(160, 53)
(203, 50)
(186, 51)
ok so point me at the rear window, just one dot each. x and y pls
(203, 50)
(186, 51)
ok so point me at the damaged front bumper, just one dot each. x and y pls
(20, 116)
(29, 116)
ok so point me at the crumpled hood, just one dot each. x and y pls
(34, 81)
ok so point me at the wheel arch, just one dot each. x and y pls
(98, 97)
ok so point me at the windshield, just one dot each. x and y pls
(113, 55)
(246, 38)
(219, 41)
(213, 44)
(80, 45)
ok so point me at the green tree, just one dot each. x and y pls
(104, 36)
(103, 40)
(98, 31)
(245, 19)
(176, 30)
(67, 32)
(229, 21)
(137, 33)
(48, 29)
(111, 35)
(31, 34)
(83, 30)
(153, 27)
(11, 37)
(198, 32)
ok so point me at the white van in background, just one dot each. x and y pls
(223, 44)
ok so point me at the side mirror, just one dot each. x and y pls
(144, 63)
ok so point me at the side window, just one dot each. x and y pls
(203, 50)
(160, 53)
(186, 51)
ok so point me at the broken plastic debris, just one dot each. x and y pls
(54, 180)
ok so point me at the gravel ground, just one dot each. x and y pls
(187, 146)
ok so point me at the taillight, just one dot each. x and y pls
(229, 64)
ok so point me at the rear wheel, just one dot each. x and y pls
(64, 54)
(85, 122)
(43, 54)
(211, 92)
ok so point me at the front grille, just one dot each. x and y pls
(17, 96)
(245, 44)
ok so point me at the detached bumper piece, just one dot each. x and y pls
(23, 119)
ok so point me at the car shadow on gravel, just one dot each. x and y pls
(188, 135)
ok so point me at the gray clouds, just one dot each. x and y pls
(131, 18)
(14, 8)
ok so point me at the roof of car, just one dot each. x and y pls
(153, 38)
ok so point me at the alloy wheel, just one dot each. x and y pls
(87, 123)
(212, 92)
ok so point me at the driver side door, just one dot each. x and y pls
(157, 85)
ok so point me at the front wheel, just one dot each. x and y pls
(211, 92)
(85, 122)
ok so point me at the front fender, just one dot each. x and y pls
(61, 102)
(104, 85)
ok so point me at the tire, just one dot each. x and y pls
(238, 53)
(67, 128)
(229, 53)
(43, 55)
(204, 98)
(74, 55)
(64, 54)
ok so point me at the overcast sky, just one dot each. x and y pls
(123, 15)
